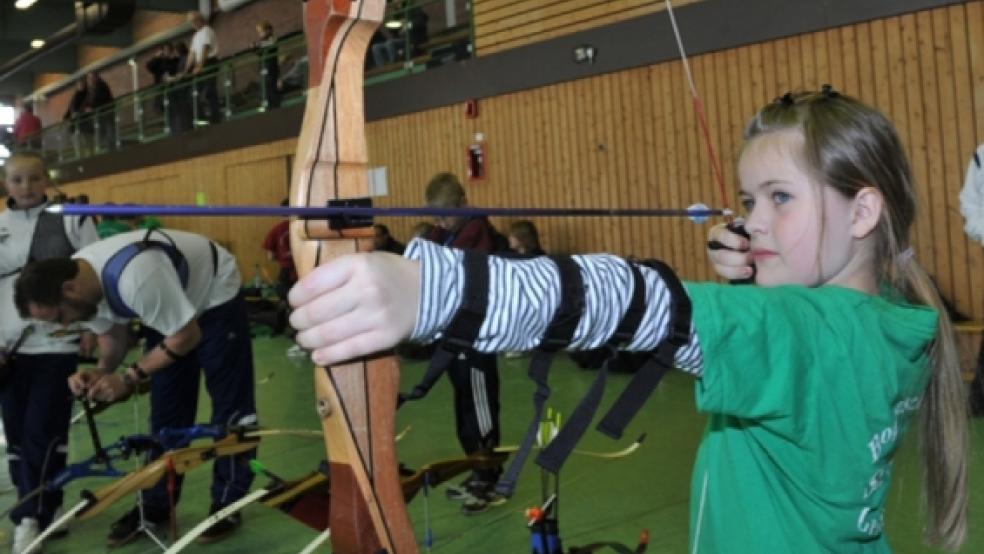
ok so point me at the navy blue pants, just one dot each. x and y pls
(226, 357)
(475, 379)
(37, 407)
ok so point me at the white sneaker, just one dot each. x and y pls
(25, 533)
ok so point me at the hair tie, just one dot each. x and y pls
(829, 91)
(906, 255)
(786, 100)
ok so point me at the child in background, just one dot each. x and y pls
(524, 239)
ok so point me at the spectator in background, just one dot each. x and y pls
(266, 48)
(277, 246)
(203, 57)
(79, 127)
(972, 208)
(524, 239)
(179, 113)
(296, 77)
(384, 241)
(27, 128)
(98, 96)
(164, 63)
(163, 66)
(404, 42)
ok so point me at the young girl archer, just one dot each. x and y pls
(809, 379)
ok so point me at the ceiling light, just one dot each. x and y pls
(394, 24)
(24, 4)
(37, 43)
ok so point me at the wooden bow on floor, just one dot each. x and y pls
(356, 401)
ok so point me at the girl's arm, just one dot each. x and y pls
(361, 304)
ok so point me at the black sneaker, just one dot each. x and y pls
(222, 528)
(461, 491)
(128, 528)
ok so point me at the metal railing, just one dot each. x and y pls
(256, 81)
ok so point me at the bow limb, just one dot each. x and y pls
(183, 460)
(356, 401)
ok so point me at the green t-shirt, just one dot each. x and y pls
(808, 392)
(109, 227)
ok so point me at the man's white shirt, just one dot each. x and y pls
(149, 285)
(204, 45)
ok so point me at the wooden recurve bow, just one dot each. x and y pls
(355, 401)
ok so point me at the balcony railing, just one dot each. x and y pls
(256, 81)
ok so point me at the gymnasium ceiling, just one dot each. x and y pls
(46, 17)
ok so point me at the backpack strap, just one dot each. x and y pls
(461, 333)
(113, 270)
(649, 375)
(553, 457)
(557, 336)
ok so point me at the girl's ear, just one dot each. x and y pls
(868, 204)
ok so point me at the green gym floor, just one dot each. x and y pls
(601, 500)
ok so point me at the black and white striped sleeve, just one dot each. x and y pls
(524, 294)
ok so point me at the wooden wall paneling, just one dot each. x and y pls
(553, 168)
(864, 63)
(952, 158)
(260, 181)
(627, 239)
(831, 46)
(975, 122)
(768, 68)
(637, 116)
(557, 235)
(600, 119)
(504, 24)
(643, 158)
(847, 58)
(620, 238)
(808, 62)
(931, 133)
(797, 80)
(585, 151)
(782, 59)
(915, 140)
(691, 161)
(538, 20)
(655, 128)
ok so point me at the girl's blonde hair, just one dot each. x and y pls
(851, 146)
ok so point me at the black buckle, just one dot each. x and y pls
(340, 222)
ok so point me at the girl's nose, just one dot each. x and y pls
(755, 222)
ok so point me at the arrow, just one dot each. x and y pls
(697, 212)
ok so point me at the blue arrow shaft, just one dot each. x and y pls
(356, 211)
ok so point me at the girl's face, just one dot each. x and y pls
(514, 243)
(802, 232)
(26, 181)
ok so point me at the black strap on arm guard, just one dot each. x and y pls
(557, 337)
(461, 333)
(552, 457)
(649, 375)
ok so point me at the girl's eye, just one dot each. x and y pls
(780, 197)
(748, 204)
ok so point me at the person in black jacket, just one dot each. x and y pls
(99, 96)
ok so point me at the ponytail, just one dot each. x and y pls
(944, 418)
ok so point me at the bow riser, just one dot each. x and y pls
(356, 402)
